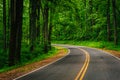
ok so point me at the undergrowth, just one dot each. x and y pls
(95, 44)
(27, 57)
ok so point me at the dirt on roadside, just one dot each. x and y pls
(113, 52)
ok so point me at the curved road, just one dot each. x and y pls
(80, 64)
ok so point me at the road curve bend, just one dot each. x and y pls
(81, 64)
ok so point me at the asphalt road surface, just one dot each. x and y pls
(80, 64)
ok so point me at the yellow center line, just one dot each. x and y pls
(82, 72)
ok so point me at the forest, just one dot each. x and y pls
(29, 27)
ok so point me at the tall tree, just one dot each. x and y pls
(115, 22)
(91, 11)
(19, 13)
(50, 27)
(38, 20)
(45, 26)
(108, 20)
(4, 24)
(15, 31)
(33, 25)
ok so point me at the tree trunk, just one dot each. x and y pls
(4, 24)
(86, 16)
(33, 20)
(19, 13)
(115, 22)
(108, 20)
(8, 23)
(50, 28)
(15, 31)
(45, 28)
(91, 11)
(38, 21)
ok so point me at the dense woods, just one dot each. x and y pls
(27, 27)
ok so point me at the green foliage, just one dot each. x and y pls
(27, 57)
(3, 59)
(73, 21)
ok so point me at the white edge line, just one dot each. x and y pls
(104, 52)
(110, 54)
(43, 66)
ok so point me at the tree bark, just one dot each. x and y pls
(45, 28)
(33, 26)
(38, 21)
(4, 24)
(115, 22)
(19, 13)
(91, 11)
(15, 31)
(108, 20)
(50, 28)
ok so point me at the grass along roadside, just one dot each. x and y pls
(105, 46)
(27, 58)
(50, 57)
